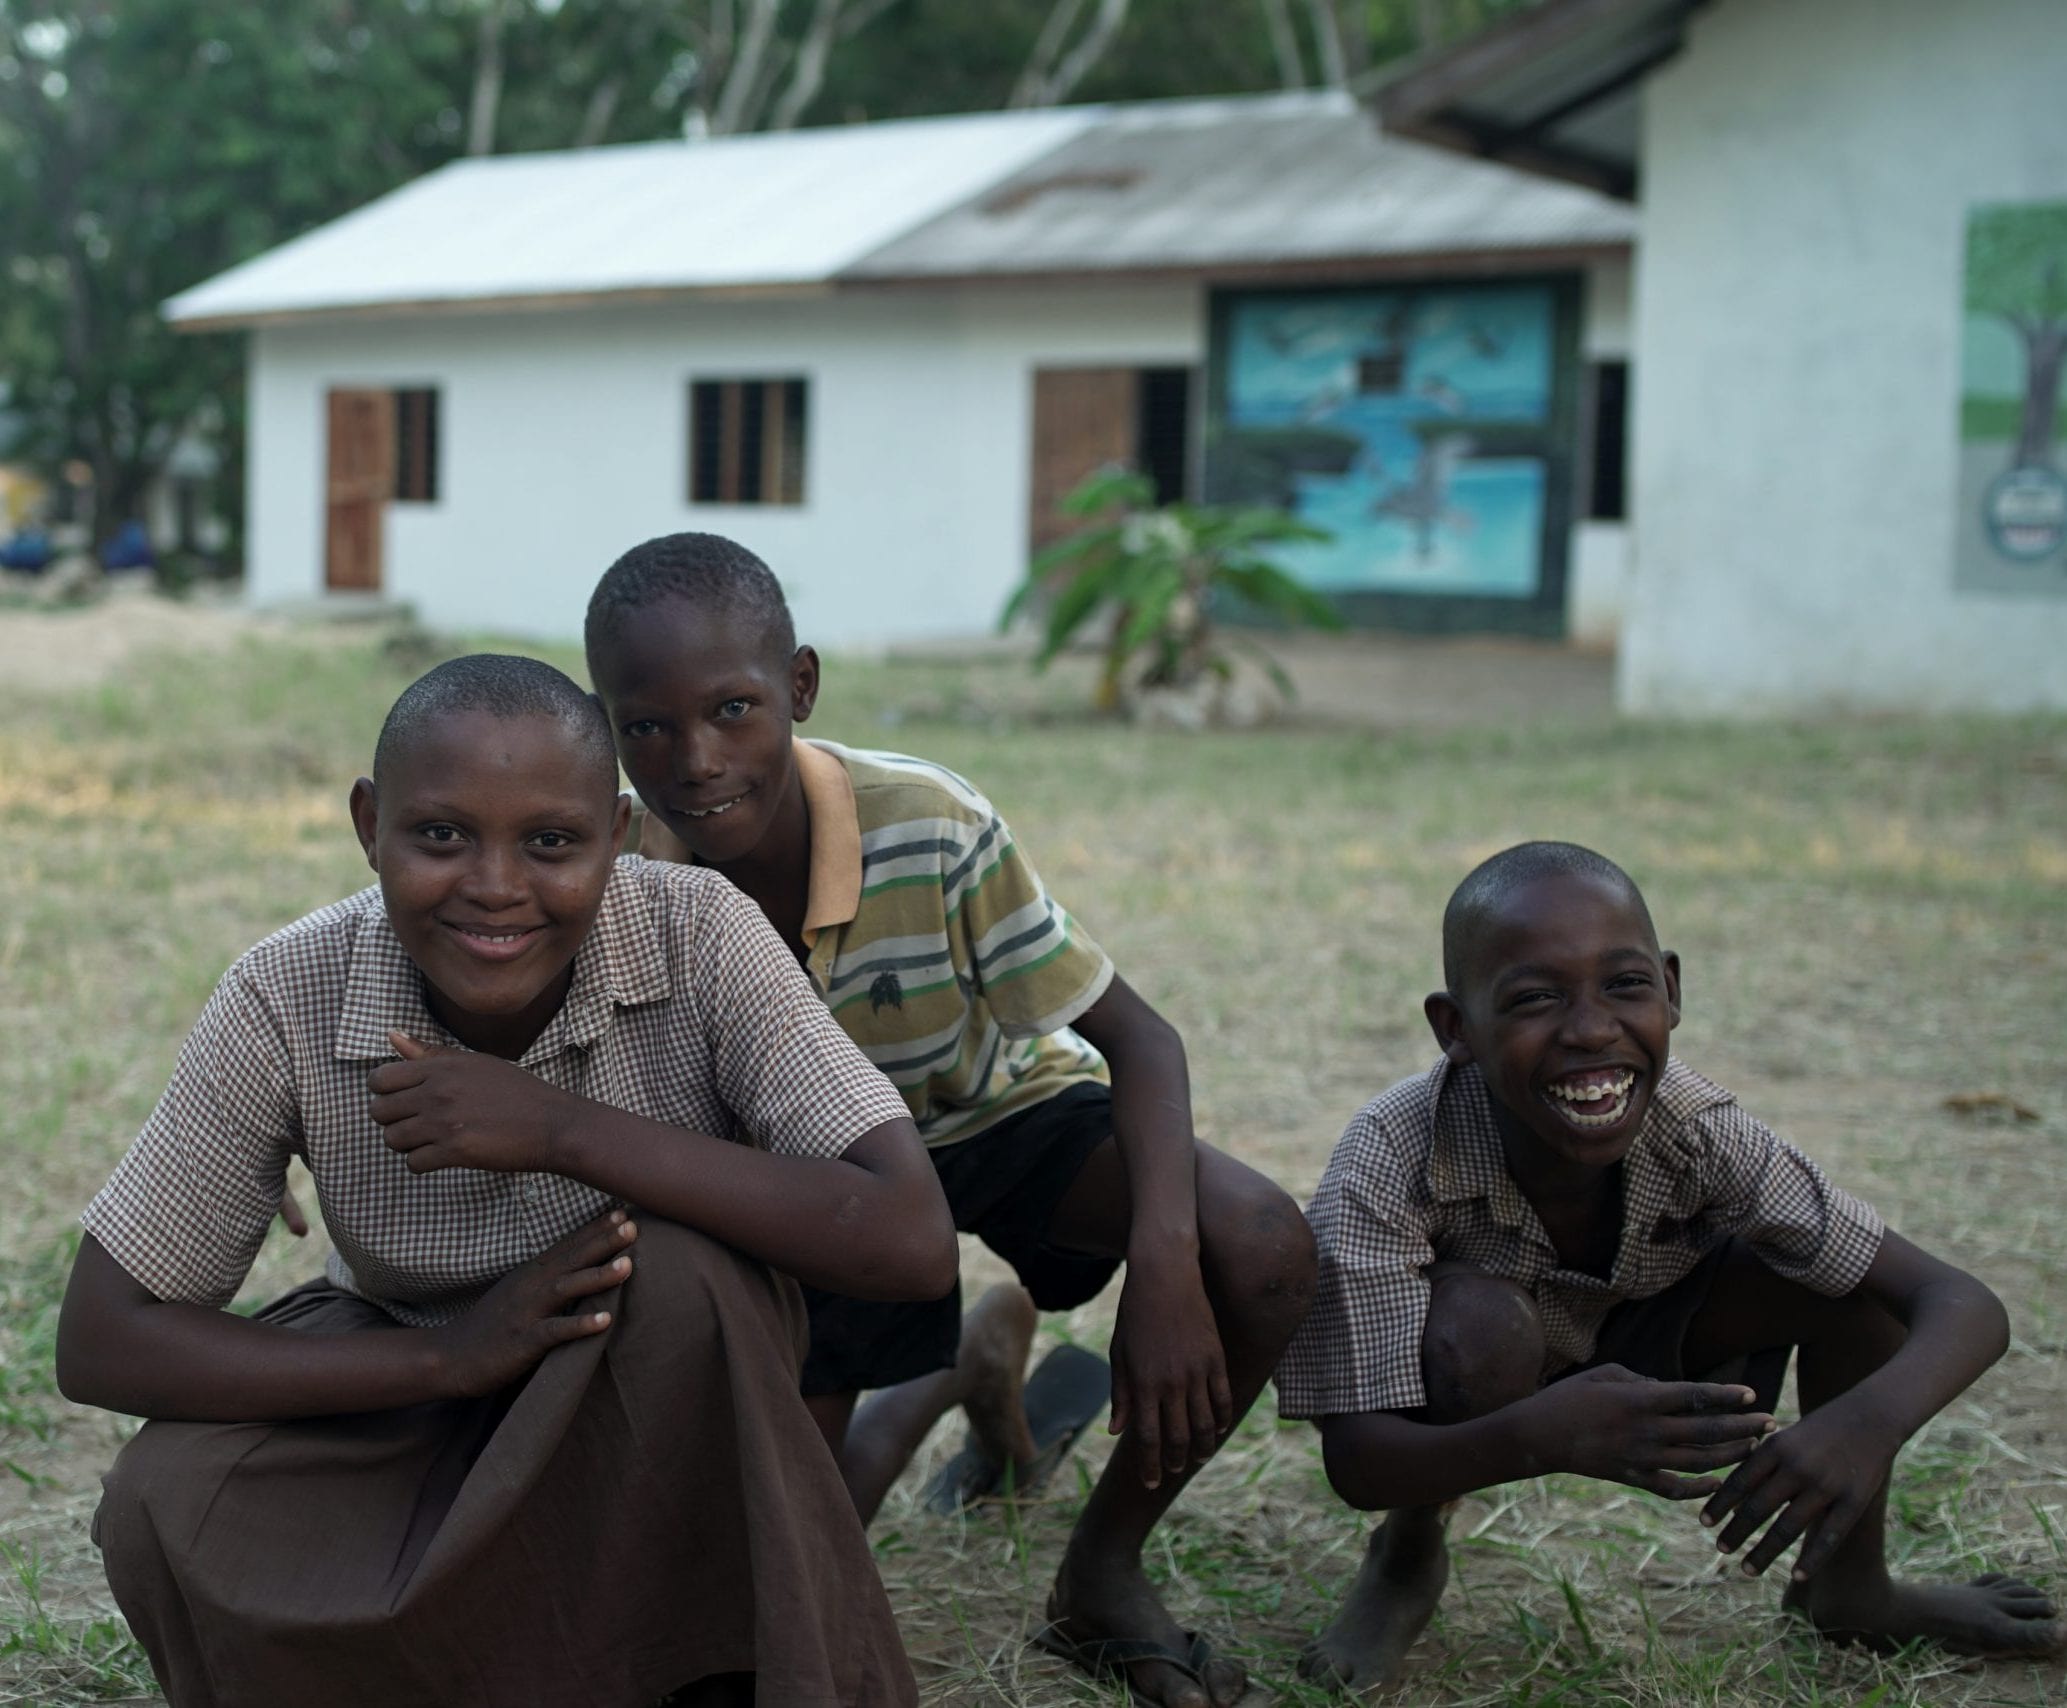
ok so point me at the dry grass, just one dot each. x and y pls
(1872, 919)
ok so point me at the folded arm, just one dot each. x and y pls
(122, 1347)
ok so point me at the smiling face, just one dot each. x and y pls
(701, 704)
(493, 838)
(1567, 1007)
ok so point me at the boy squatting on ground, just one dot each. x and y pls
(928, 934)
(1514, 1241)
(521, 1448)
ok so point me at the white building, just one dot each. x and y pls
(876, 355)
(1832, 502)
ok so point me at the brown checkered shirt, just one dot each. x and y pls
(685, 1007)
(1419, 1178)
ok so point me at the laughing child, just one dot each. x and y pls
(924, 928)
(1562, 1250)
(522, 1445)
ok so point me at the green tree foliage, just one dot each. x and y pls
(146, 144)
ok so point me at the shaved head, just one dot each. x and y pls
(707, 571)
(1486, 890)
(502, 686)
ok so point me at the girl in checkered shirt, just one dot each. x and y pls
(522, 1444)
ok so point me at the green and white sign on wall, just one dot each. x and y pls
(2012, 530)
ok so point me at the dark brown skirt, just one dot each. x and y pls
(652, 1506)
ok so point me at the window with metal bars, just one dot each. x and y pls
(746, 441)
(416, 446)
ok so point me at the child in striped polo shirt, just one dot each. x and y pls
(927, 932)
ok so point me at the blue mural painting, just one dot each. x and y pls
(1411, 423)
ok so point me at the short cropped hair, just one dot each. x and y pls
(1492, 881)
(503, 686)
(707, 570)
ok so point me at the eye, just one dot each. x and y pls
(1532, 998)
(440, 835)
(639, 729)
(1631, 982)
(735, 708)
(552, 840)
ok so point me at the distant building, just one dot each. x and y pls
(1848, 485)
(879, 354)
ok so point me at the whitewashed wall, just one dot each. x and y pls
(563, 442)
(1807, 173)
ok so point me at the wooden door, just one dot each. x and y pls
(361, 480)
(1083, 419)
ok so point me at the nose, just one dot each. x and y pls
(1589, 1022)
(698, 756)
(495, 879)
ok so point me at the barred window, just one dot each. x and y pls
(746, 441)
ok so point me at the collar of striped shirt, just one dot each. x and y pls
(835, 896)
(622, 962)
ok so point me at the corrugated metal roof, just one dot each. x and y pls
(781, 209)
(1175, 186)
(1554, 89)
(1243, 183)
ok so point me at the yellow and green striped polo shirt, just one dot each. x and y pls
(934, 944)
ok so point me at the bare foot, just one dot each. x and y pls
(990, 1371)
(1097, 1601)
(1389, 1605)
(1993, 1615)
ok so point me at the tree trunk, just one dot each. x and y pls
(596, 117)
(2045, 352)
(745, 90)
(1284, 45)
(1327, 35)
(487, 80)
(807, 77)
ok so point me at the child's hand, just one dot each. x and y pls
(1618, 1426)
(1169, 1374)
(459, 1109)
(526, 1314)
(1815, 1478)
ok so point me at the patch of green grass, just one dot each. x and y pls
(65, 1659)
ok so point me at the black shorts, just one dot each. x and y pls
(1649, 1337)
(1003, 1185)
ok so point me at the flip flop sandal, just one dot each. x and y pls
(1064, 1395)
(1109, 1657)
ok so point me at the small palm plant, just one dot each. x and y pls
(1160, 572)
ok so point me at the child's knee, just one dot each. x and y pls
(1482, 1346)
(1259, 1248)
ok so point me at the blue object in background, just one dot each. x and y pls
(29, 552)
(130, 548)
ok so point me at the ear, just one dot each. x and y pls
(365, 812)
(620, 825)
(1671, 959)
(803, 683)
(1446, 1021)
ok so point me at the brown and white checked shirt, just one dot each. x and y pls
(685, 1008)
(1419, 1178)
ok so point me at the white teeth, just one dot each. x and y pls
(712, 812)
(1614, 1093)
(1596, 1091)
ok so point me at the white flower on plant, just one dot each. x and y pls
(1154, 534)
